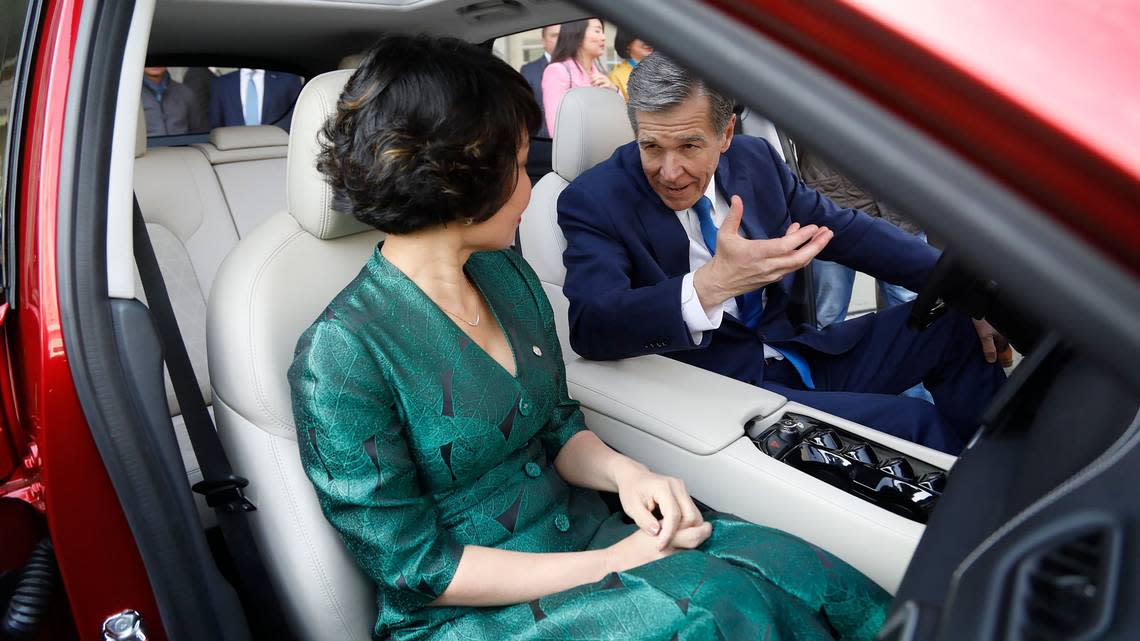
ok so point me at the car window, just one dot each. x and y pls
(178, 101)
(16, 20)
(521, 49)
(524, 48)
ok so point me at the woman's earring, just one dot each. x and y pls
(467, 222)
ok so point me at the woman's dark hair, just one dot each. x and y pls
(569, 39)
(426, 132)
(622, 39)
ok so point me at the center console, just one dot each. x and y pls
(890, 479)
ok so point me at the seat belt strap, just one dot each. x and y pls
(221, 487)
(789, 149)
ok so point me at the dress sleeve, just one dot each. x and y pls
(353, 448)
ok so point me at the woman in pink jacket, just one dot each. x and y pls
(576, 62)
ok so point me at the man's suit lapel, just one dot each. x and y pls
(233, 97)
(667, 237)
(735, 183)
(269, 109)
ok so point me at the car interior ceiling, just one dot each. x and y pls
(1059, 391)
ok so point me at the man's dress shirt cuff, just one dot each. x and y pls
(693, 313)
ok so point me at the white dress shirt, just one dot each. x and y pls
(692, 312)
(258, 83)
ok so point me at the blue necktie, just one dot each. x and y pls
(252, 117)
(751, 304)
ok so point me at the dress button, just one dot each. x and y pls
(533, 470)
(525, 407)
(562, 522)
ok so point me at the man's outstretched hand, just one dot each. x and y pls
(741, 265)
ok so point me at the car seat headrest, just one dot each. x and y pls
(310, 196)
(245, 137)
(590, 125)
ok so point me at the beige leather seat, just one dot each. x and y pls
(249, 163)
(268, 291)
(197, 202)
(591, 124)
(191, 230)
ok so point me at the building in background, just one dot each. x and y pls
(522, 47)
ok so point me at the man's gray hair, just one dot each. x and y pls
(658, 84)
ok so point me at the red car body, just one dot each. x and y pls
(1054, 117)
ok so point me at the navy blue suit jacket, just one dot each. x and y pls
(533, 71)
(627, 254)
(281, 91)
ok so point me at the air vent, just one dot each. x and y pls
(1064, 592)
(491, 10)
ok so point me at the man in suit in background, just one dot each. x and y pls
(534, 69)
(253, 97)
(685, 243)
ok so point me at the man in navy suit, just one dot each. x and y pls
(253, 97)
(685, 243)
(534, 69)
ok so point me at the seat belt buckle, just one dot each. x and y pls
(225, 494)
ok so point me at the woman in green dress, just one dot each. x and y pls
(433, 419)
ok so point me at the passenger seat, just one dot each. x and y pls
(270, 289)
(540, 236)
(197, 202)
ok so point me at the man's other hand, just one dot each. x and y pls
(741, 265)
(986, 334)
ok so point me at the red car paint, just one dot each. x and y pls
(1055, 136)
(61, 473)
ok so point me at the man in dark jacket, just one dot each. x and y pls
(685, 242)
(170, 107)
(534, 69)
(834, 282)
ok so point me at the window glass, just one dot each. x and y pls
(193, 100)
(523, 47)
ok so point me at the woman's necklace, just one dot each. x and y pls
(475, 323)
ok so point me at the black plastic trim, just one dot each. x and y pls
(20, 86)
(193, 599)
(1048, 272)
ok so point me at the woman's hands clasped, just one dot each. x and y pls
(681, 526)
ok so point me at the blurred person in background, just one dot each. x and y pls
(576, 62)
(534, 69)
(198, 79)
(632, 49)
(834, 282)
(170, 107)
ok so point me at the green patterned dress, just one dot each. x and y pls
(419, 443)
